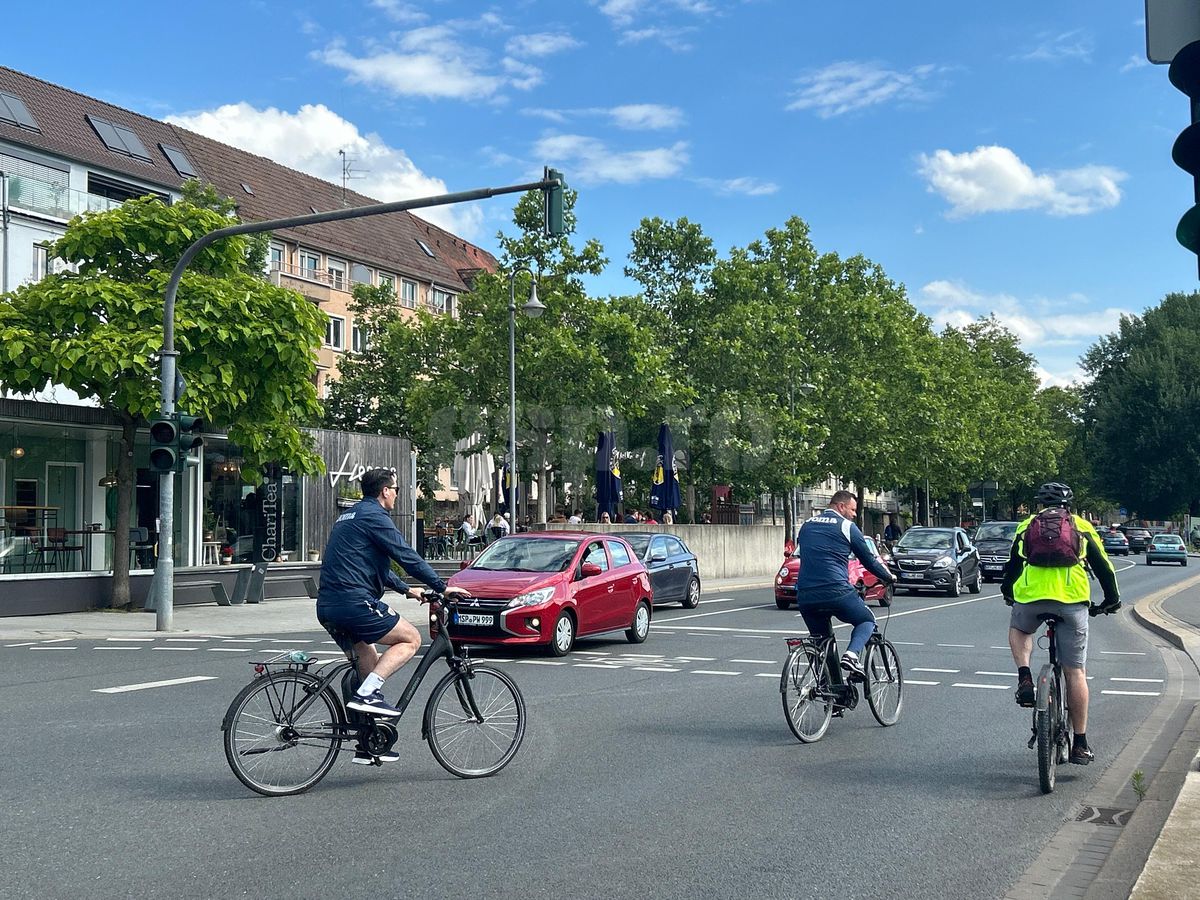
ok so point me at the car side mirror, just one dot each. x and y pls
(463, 563)
(658, 555)
(589, 570)
(789, 547)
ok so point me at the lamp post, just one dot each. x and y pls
(805, 389)
(532, 308)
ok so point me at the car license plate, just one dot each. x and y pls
(911, 576)
(993, 568)
(473, 619)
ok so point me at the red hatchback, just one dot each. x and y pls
(550, 587)
(870, 587)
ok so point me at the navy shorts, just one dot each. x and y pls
(351, 621)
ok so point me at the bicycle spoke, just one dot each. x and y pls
(470, 746)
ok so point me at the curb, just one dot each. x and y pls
(1151, 615)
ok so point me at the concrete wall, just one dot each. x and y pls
(724, 551)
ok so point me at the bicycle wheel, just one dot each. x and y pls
(807, 702)
(1047, 724)
(462, 744)
(885, 682)
(270, 748)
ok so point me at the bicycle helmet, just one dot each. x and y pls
(1053, 493)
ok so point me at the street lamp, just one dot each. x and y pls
(532, 308)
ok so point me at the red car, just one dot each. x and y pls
(552, 587)
(870, 587)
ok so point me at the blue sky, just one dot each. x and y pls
(1009, 158)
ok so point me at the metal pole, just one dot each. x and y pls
(164, 589)
(512, 399)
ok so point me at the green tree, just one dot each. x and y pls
(246, 348)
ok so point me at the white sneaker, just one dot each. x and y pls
(363, 758)
(851, 664)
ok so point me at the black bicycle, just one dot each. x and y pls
(811, 696)
(283, 731)
(1051, 728)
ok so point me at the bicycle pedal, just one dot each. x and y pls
(1032, 740)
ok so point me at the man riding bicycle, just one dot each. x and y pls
(1036, 582)
(355, 571)
(823, 589)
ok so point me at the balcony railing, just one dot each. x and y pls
(51, 199)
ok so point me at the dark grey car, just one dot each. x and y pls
(674, 572)
(937, 559)
(994, 541)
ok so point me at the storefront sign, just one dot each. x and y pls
(353, 472)
(269, 551)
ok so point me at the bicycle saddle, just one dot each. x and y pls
(1049, 617)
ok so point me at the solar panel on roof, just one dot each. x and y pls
(14, 111)
(179, 160)
(119, 139)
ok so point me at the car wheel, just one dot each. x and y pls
(888, 593)
(955, 588)
(782, 602)
(692, 600)
(563, 637)
(1184, 563)
(977, 584)
(641, 623)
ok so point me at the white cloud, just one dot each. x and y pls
(1136, 61)
(430, 75)
(847, 86)
(994, 179)
(672, 38)
(541, 44)
(624, 12)
(594, 162)
(630, 116)
(746, 186)
(405, 13)
(522, 75)
(309, 140)
(1071, 45)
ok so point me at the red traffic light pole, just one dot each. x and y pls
(163, 588)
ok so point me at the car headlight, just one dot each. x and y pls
(782, 574)
(944, 563)
(532, 598)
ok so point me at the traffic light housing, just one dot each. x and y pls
(172, 439)
(555, 222)
(1185, 75)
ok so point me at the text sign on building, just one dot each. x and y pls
(1170, 26)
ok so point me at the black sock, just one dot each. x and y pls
(1023, 673)
(1081, 742)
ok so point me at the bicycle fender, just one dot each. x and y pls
(1045, 683)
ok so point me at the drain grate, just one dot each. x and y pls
(1103, 815)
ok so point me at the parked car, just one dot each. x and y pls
(1166, 548)
(548, 588)
(937, 559)
(994, 542)
(1139, 538)
(1115, 542)
(869, 587)
(673, 569)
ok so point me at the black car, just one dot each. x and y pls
(994, 541)
(937, 559)
(674, 572)
(1139, 538)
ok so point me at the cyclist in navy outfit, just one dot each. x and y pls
(355, 571)
(823, 589)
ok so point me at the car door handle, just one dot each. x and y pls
(610, 588)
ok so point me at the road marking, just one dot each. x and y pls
(910, 681)
(284, 641)
(999, 674)
(969, 646)
(1123, 652)
(718, 630)
(592, 652)
(194, 640)
(22, 644)
(719, 612)
(697, 658)
(910, 643)
(946, 671)
(244, 640)
(153, 684)
(541, 662)
(990, 687)
(57, 647)
(595, 665)
(718, 600)
(169, 648)
(765, 662)
(713, 672)
(102, 647)
(636, 656)
(1143, 680)
(230, 649)
(140, 640)
(1133, 693)
(653, 669)
(999, 648)
(765, 675)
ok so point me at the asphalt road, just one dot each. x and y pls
(660, 770)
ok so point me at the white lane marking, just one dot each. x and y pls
(765, 675)
(993, 647)
(718, 600)
(541, 662)
(22, 644)
(1133, 693)
(58, 640)
(719, 612)
(765, 662)
(230, 649)
(697, 658)
(637, 656)
(244, 640)
(194, 640)
(56, 647)
(141, 640)
(999, 674)
(910, 643)
(969, 646)
(653, 669)
(946, 671)
(718, 630)
(713, 672)
(991, 687)
(329, 642)
(177, 648)
(910, 681)
(1141, 680)
(102, 647)
(285, 641)
(757, 637)
(153, 684)
(594, 666)
(1123, 652)
(591, 652)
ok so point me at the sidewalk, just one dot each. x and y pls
(292, 616)
(1170, 870)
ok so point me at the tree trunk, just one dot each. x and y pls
(862, 510)
(126, 478)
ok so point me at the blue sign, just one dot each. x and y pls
(1122, 512)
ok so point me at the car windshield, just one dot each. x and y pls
(925, 539)
(1168, 539)
(639, 543)
(996, 531)
(870, 545)
(527, 555)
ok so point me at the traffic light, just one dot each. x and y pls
(1185, 75)
(172, 438)
(555, 225)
